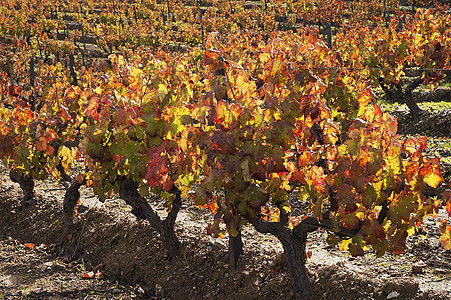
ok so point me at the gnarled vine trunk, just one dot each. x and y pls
(293, 242)
(26, 183)
(128, 191)
(397, 93)
(71, 198)
(235, 249)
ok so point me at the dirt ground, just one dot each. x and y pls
(132, 263)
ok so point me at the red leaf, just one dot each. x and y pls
(91, 110)
(122, 117)
(209, 57)
(50, 135)
(223, 143)
(41, 145)
(89, 275)
(80, 178)
(49, 150)
(447, 196)
(63, 114)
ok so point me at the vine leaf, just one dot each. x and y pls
(445, 239)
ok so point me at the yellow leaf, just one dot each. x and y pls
(162, 92)
(264, 57)
(395, 164)
(286, 208)
(445, 239)
(433, 179)
(410, 231)
(342, 149)
(98, 90)
(136, 73)
(66, 157)
(344, 244)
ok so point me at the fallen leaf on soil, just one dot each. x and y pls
(29, 245)
(392, 295)
(158, 288)
(99, 275)
(94, 274)
(89, 275)
(418, 267)
(140, 291)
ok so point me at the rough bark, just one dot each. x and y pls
(128, 191)
(72, 70)
(397, 93)
(26, 183)
(293, 242)
(415, 110)
(71, 198)
(235, 249)
(294, 250)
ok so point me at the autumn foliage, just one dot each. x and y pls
(248, 125)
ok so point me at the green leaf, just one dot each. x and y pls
(245, 170)
(200, 196)
(369, 196)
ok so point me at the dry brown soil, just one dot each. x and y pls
(134, 263)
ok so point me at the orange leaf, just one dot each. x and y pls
(213, 206)
(49, 150)
(63, 114)
(92, 108)
(41, 145)
(29, 245)
(445, 239)
(50, 135)
(431, 172)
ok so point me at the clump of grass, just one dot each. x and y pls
(435, 106)
(391, 107)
